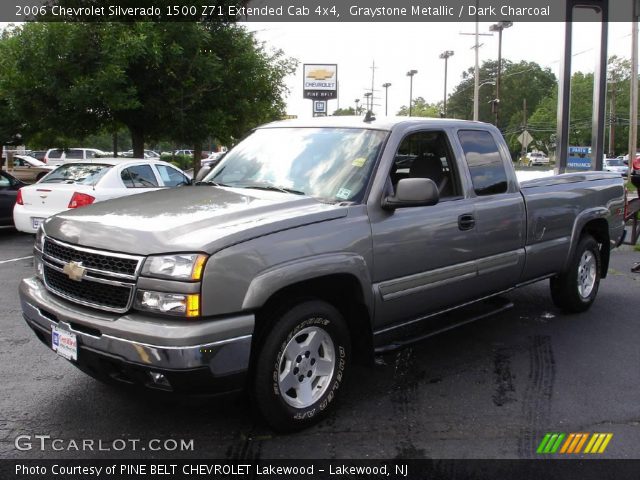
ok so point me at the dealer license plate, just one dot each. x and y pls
(36, 221)
(64, 343)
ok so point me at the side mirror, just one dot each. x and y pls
(413, 192)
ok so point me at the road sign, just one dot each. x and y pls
(525, 139)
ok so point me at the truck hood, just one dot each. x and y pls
(200, 219)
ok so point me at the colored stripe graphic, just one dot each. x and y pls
(551, 443)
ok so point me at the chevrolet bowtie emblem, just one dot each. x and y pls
(320, 74)
(74, 270)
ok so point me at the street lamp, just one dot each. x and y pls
(368, 96)
(498, 27)
(410, 74)
(445, 56)
(386, 98)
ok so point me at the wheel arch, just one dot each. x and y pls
(593, 222)
(277, 290)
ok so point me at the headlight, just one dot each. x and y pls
(186, 305)
(40, 239)
(39, 266)
(183, 266)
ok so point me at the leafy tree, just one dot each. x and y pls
(518, 82)
(420, 108)
(181, 81)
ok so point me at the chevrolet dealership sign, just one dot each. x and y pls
(320, 81)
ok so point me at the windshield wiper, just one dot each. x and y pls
(268, 186)
(211, 182)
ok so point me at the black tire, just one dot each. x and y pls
(290, 331)
(565, 288)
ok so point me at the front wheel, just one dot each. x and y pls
(575, 290)
(300, 366)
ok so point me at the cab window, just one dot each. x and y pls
(488, 173)
(427, 155)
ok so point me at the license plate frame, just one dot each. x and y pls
(36, 222)
(64, 343)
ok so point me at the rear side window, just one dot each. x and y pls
(139, 176)
(55, 153)
(171, 177)
(485, 163)
(74, 155)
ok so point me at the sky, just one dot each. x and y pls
(399, 47)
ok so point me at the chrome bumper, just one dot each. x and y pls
(222, 357)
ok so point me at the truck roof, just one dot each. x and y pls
(380, 123)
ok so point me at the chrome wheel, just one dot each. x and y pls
(306, 367)
(587, 268)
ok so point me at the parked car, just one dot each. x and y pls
(58, 156)
(28, 169)
(615, 165)
(9, 186)
(183, 152)
(78, 184)
(537, 158)
(212, 159)
(310, 245)
(147, 154)
(38, 154)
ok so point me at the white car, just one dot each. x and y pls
(78, 184)
(537, 158)
(58, 156)
(615, 165)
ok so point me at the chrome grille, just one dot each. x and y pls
(90, 258)
(113, 297)
(109, 278)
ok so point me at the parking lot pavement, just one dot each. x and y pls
(491, 389)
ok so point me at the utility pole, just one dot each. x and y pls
(498, 27)
(633, 110)
(476, 75)
(373, 76)
(524, 125)
(612, 120)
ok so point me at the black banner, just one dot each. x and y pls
(308, 10)
(542, 469)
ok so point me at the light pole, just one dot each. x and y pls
(498, 27)
(368, 96)
(386, 98)
(445, 56)
(410, 74)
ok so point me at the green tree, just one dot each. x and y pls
(519, 82)
(420, 108)
(182, 81)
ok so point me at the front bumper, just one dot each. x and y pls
(205, 356)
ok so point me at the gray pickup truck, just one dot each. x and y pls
(310, 246)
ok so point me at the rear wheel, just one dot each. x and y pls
(300, 366)
(575, 290)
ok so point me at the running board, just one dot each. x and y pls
(453, 320)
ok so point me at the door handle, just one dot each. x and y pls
(466, 221)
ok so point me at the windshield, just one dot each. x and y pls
(332, 164)
(82, 173)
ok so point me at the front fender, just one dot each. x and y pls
(274, 279)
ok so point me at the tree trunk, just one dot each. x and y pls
(137, 139)
(197, 157)
(115, 144)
